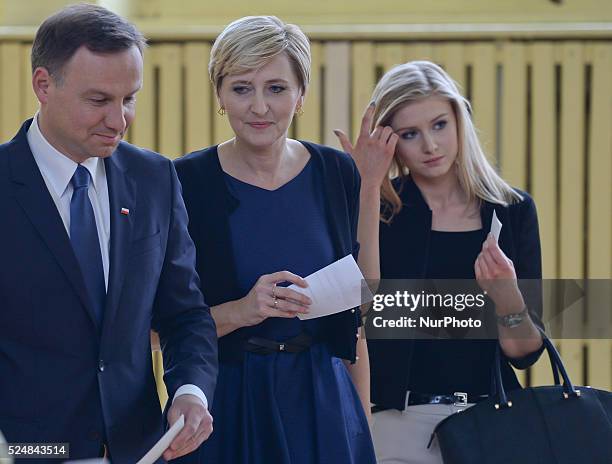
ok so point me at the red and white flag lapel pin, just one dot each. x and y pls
(125, 211)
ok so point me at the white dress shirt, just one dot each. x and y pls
(57, 171)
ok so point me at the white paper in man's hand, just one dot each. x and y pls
(335, 288)
(162, 445)
(496, 227)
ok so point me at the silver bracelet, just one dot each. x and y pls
(513, 320)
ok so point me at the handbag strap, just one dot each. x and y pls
(554, 368)
(556, 364)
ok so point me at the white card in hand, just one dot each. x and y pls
(496, 227)
(337, 287)
(162, 445)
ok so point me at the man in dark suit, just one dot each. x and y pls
(95, 253)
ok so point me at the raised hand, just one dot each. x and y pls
(372, 152)
(495, 274)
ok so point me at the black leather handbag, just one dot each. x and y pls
(560, 424)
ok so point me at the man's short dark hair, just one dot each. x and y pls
(92, 26)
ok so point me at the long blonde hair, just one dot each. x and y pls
(414, 81)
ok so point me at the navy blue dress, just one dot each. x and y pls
(284, 408)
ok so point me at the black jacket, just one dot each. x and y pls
(209, 205)
(404, 251)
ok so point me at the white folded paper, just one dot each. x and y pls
(335, 288)
(162, 445)
(496, 226)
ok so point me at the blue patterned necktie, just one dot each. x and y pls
(85, 242)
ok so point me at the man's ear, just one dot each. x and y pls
(41, 81)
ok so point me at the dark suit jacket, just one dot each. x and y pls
(210, 203)
(404, 251)
(62, 378)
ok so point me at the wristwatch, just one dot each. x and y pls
(512, 320)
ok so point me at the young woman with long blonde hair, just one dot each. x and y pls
(431, 220)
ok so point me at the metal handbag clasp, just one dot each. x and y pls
(461, 399)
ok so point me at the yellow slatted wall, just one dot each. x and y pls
(543, 107)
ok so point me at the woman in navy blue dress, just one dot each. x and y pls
(266, 211)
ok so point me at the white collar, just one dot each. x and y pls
(57, 167)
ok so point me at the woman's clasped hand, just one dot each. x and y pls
(268, 299)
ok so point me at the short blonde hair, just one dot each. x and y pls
(247, 43)
(414, 81)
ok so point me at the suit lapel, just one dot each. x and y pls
(417, 218)
(335, 200)
(414, 249)
(486, 216)
(210, 204)
(31, 193)
(122, 194)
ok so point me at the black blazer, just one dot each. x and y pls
(404, 252)
(209, 205)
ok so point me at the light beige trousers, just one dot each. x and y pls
(401, 437)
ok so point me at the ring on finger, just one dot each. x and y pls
(275, 302)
